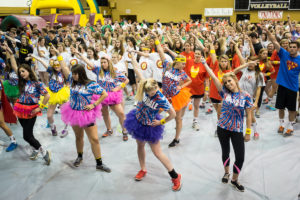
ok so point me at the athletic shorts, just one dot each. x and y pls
(197, 96)
(286, 98)
(131, 77)
(215, 100)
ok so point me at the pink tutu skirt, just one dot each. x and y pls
(82, 118)
(113, 98)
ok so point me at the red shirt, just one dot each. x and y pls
(198, 74)
(275, 57)
(235, 64)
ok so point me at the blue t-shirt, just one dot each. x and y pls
(150, 106)
(32, 92)
(288, 71)
(232, 111)
(56, 82)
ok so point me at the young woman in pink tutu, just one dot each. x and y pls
(113, 82)
(82, 111)
(146, 125)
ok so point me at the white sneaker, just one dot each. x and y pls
(196, 126)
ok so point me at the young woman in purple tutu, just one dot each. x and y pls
(113, 82)
(82, 111)
(146, 125)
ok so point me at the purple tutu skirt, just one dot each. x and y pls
(113, 98)
(142, 132)
(82, 118)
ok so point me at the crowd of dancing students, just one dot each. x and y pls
(84, 71)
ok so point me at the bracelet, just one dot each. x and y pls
(157, 42)
(248, 131)
(212, 51)
(268, 73)
(59, 58)
(123, 85)
(163, 121)
(42, 106)
(206, 88)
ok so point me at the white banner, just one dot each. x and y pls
(218, 11)
(270, 14)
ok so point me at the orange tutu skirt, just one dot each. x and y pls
(25, 111)
(182, 99)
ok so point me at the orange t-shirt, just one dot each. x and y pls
(235, 64)
(189, 56)
(275, 57)
(198, 74)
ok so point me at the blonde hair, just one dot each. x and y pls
(233, 76)
(228, 67)
(111, 69)
(145, 85)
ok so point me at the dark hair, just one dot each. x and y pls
(253, 35)
(96, 57)
(22, 82)
(132, 40)
(295, 42)
(82, 77)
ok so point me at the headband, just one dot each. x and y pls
(182, 60)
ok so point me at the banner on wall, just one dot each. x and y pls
(270, 14)
(218, 11)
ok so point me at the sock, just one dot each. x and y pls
(80, 154)
(291, 125)
(51, 125)
(281, 121)
(99, 161)
(254, 127)
(195, 120)
(12, 139)
(173, 174)
(43, 151)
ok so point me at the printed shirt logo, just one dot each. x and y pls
(74, 62)
(150, 103)
(291, 65)
(172, 76)
(159, 64)
(51, 62)
(23, 51)
(261, 66)
(220, 76)
(144, 65)
(89, 67)
(194, 72)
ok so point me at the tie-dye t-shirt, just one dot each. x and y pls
(32, 92)
(56, 82)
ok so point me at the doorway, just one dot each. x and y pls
(242, 17)
(128, 18)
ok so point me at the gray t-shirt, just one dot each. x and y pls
(248, 82)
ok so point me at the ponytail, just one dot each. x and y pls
(145, 85)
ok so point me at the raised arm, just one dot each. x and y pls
(290, 24)
(64, 68)
(136, 67)
(272, 39)
(236, 70)
(159, 48)
(85, 59)
(13, 61)
(238, 52)
(212, 75)
(45, 65)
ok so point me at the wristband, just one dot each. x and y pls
(157, 42)
(42, 106)
(212, 51)
(163, 121)
(206, 88)
(59, 58)
(248, 131)
(33, 59)
(268, 74)
(123, 85)
(275, 62)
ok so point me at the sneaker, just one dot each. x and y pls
(107, 133)
(34, 155)
(54, 132)
(177, 183)
(202, 105)
(225, 178)
(266, 101)
(140, 175)
(128, 98)
(280, 130)
(256, 136)
(209, 111)
(257, 114)
(64, 133)
(174, 143)
(47, 158)
(289, 132)
(238, 186)
(11, 147)
(196, 126)
(78, 161)
(190, 107)
(125, 135)
(271, 107)
(103, 168)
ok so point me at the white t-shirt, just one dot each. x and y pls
(127, 58)
(146, 67)
(120, 67)
(158, 68)
(248, 82)
(45, 52)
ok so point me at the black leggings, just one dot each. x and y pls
(262, 90)
(238, 144)
(28, 125)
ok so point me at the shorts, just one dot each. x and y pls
(159, 84)
(286, 98)
(131, 77)
(215, 100)
(197, 96)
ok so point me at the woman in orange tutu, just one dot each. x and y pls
(174, 88)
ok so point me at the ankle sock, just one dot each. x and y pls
(12, 139)
(99, 161)
(173, 174)
(80, 154)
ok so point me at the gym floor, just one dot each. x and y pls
(270, 171)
